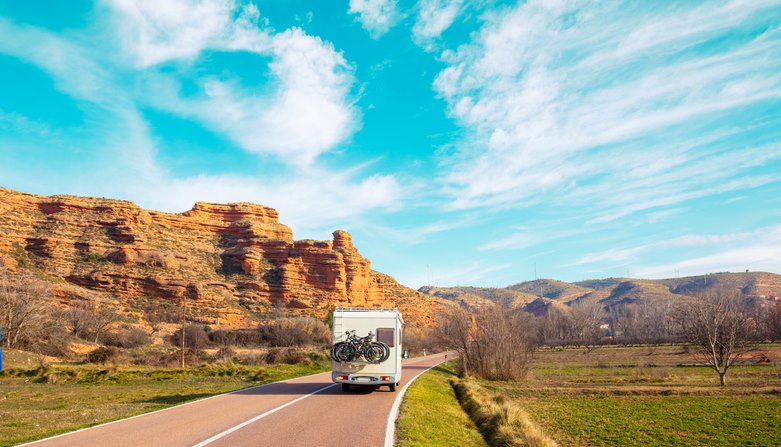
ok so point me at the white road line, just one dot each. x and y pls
(390, 428)
(61, 435)
(259, 417)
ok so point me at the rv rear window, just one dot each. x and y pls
(385, 335)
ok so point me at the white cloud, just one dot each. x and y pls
(732, 250)
(760, 254)
(434, 17)
(376, 16)
(305, 111)
(154, 31)
(312, 202)
(568, 102)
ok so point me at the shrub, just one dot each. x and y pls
(103, 354)
(240, 337)
(195, 337)
(299, 331)
(127, 337)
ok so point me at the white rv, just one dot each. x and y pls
(387, 326)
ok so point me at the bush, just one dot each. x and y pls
(287, 355)
(419, 339)
(195, 337)
(246, 338)
(104, 354)
(299, 331)
(127, 337)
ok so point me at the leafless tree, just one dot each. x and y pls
(493, 342)
(455, 330)
(716, 324)
(556, 325)
(23, 300)
(773, 321)
(104, 316)
(586, 319)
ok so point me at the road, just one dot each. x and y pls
(307, 411)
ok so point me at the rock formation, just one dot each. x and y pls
(234, 261)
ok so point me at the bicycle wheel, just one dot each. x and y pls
(383, 349)
(374, 354)
(334, 348)
(344, 353)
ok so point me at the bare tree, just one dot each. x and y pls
(586, 319)
(23, 300)
(103, 317)
(717, 325)
(493, 342)
(455, 330)
(773, 321)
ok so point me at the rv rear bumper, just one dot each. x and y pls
(365, 379)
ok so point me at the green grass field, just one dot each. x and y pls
(43, 401)
(649, 396)
(653, 396)
(431, 416)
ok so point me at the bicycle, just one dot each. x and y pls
(355, 347)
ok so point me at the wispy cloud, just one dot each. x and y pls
(758, 254)
(567, 102)
(433, 18)
(306, 111)
(718, 243)
(152, 32)
(376, 16)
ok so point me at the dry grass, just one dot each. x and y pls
(501, 423)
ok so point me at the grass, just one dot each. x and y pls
(619, 396)
(430, 414)
(44, 401)
(501, 423)
(654, 396)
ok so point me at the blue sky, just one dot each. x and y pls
(461, 142)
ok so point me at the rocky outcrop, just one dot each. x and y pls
(231, 259)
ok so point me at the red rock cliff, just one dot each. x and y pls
(234, 260)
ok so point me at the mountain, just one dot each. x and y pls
(538, 295)
(235, 263)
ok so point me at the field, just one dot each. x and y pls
(38, 401)
(655, 396)
(615, 396)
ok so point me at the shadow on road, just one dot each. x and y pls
(174, 399)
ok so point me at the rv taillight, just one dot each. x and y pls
(342, 377)
(385, 378)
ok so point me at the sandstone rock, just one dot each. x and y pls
(234, 261)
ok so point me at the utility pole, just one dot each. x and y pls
(184, 322)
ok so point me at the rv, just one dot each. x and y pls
(386, 325)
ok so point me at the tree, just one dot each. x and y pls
(716, 323)
(455, 330)
(23, 300)
(103, 317)
(493, 342)
(773, 321)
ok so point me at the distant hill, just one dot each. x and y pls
(538, 295)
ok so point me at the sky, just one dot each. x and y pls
(463, 142)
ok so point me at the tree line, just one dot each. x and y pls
(496, 341)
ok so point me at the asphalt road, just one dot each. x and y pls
(309, 411)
